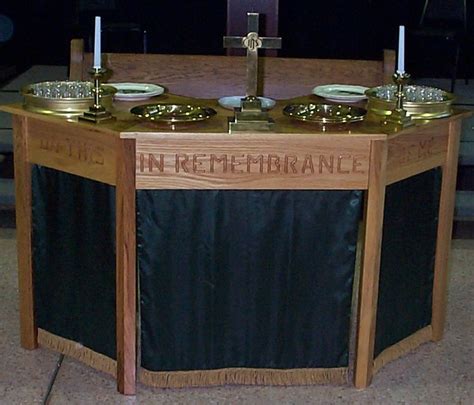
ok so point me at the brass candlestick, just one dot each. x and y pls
(399, 118)
(97, 113)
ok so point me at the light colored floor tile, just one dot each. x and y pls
(24, 374)
(463, 244)
(436, 373)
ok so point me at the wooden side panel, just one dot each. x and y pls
(389, 57)
(28, 329)
(445, 226)
(227, 162)
(126, 267)
(76, 60)
(191, 75)
(416, 152)
(73, 149)
(369, 281)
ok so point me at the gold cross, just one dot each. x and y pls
(252, 42)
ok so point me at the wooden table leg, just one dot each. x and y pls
(28, 329)
(445, 227)
(126, 267)
(369, 281)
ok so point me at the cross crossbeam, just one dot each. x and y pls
(252, 42)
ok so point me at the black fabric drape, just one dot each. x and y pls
(74, 258)
(407, 261)
(246, 278)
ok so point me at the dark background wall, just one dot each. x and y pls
(312, 28)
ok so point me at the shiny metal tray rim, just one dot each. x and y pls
(419, 110)
(450, 97)
(63, 107)
(106, 91)
(207, 113)
(325, 120)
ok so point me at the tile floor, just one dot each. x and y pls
(436, 373)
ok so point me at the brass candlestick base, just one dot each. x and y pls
(399, 119)
(97, 113)
(250, 117)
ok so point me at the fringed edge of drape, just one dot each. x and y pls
(403, 347)
(243, 376)
(77, 351)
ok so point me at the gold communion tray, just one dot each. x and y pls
(64, 98)
(324, 113)
(173, 112)
(421, 102)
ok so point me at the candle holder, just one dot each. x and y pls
(97, 113)
(399, 118)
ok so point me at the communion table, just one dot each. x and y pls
(185, 256)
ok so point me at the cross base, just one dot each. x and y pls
(97, 115)
(250, 117)
(251, 126)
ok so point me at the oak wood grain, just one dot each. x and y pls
(28, 328)
(76, 60)
(126, 267)
(217, 76)
(416, 152)
(296, 162)
(75, 149)
(369, 279)
(129, 126)
(389, 58)
(445, 227)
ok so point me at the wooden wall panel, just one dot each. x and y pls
(218, 76)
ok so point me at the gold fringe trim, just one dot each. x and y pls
(403, 347)
(243, 376)
(77, 351)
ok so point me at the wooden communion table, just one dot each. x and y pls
(240, 249)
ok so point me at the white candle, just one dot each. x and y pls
(97, 52)
(401, 49)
